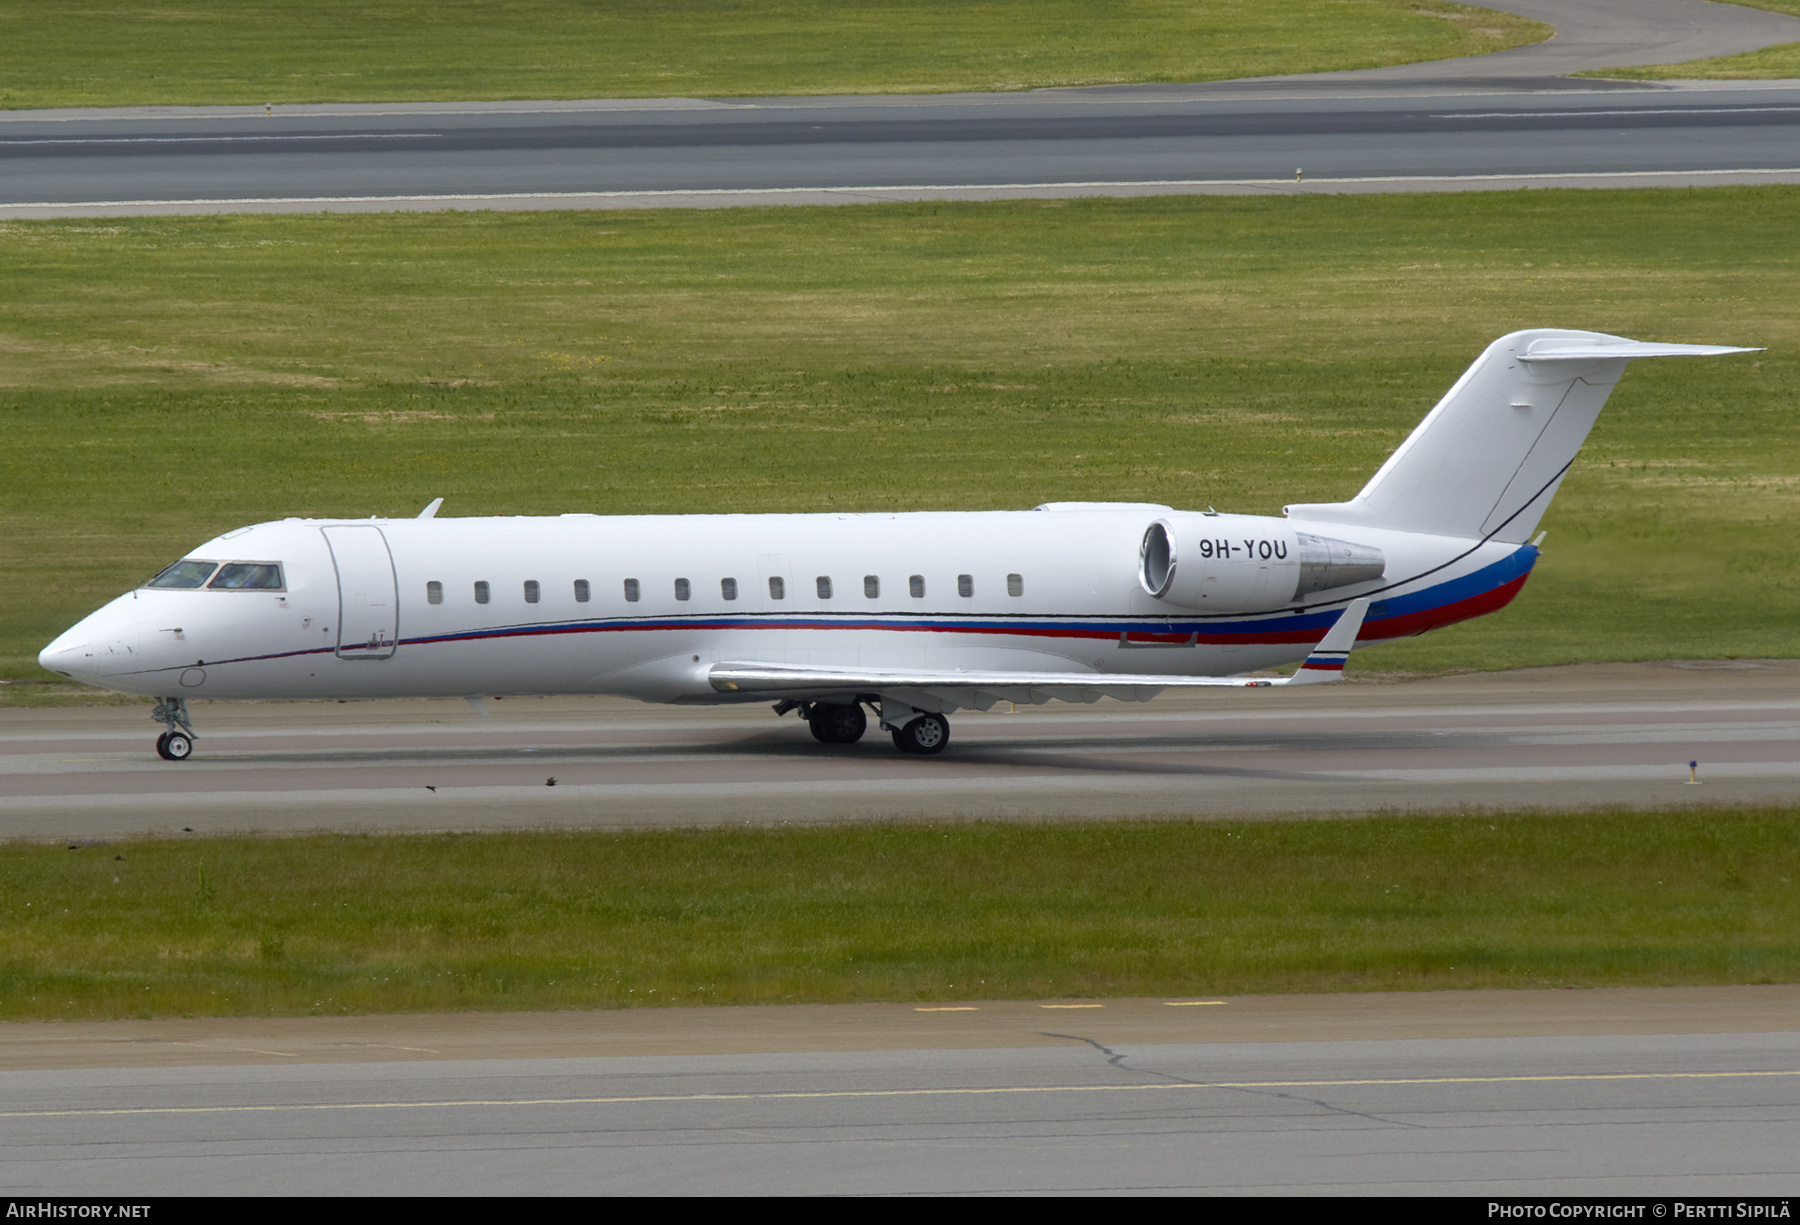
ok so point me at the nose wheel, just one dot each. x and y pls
(176, 744)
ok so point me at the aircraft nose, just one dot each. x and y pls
(71, 655)
(62, 657)
(100, 644)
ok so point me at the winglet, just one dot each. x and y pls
(1326, 663)
(430, 512)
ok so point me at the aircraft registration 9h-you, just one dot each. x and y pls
(913, 616)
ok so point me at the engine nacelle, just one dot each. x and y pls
(1246, 563)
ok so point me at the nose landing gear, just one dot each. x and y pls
(176, 744)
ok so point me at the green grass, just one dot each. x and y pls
(107, 53)
(167, 379)
(897, 912)
(1779, 62)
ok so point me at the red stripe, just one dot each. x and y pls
(1444, 614)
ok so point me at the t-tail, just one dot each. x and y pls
(1486, 461)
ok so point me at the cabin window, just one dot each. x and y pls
(582, 591)
(1015, 584)
(187, 573)
(965, 585)
(916, 585)
(777, 588)
(871, 586)
(823, 583)
(631, 591)
(247, 576)
(728, 588)
(533, 592)
(434, 592)
(682, 590)
(481, 593)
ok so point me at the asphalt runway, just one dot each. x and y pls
(1673, 1092)
(1579, 737)
(1495, 121)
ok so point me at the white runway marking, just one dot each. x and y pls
(717, 798)
(203, 140)
(1672, 110)
(672, 197)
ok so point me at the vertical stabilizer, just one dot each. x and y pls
(1487, 460)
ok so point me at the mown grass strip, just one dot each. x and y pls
(110, 53)
(328, 924)
(167, 379)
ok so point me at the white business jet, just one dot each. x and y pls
(913, 616)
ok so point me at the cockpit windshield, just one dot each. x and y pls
(247, 576)
(232, 576)
(187, 573)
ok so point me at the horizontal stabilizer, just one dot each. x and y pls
(1575, 351)
(947, 690)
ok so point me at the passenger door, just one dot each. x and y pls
(368, 597)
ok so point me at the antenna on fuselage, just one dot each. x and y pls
(430, 512)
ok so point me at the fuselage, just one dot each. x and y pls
(645, 605)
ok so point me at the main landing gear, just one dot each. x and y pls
(176, 744)
(914, 731)
(832, 724)
(925, 735)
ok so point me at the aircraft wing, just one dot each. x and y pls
(949, 690)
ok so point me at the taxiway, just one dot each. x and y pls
(1579, 737)
(1685, 1091)
(1512, 119)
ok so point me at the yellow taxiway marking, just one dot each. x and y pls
(1071, 1005)
(1191, 1003)
(829, 1094)
(950, 1008)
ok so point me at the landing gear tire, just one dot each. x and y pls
(925, 735)
(838, 724)
(174, 746)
